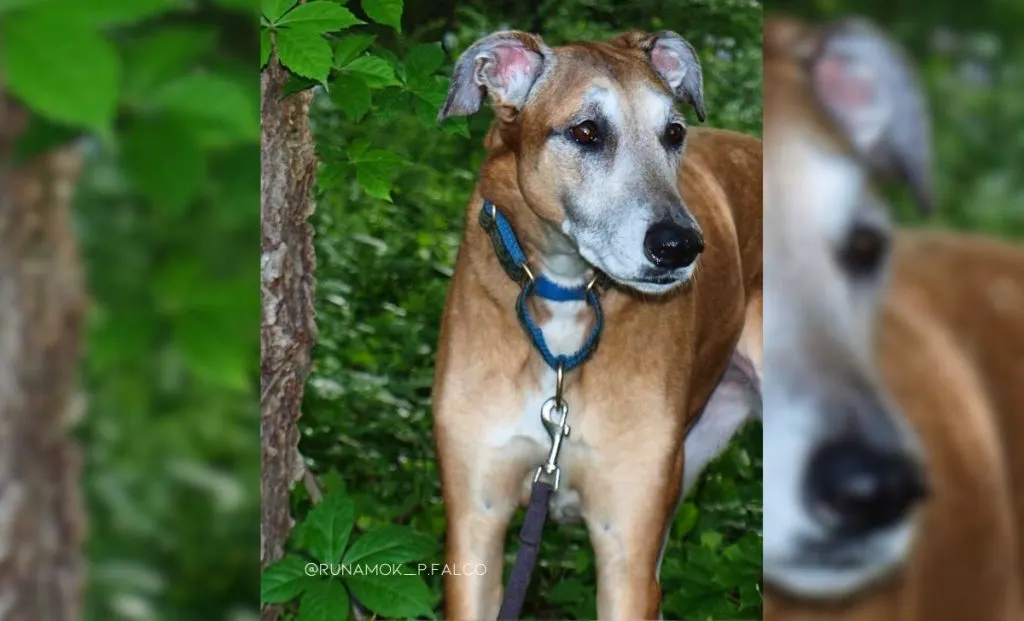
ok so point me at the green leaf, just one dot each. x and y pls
(375, 71)
(273, 10)
(327, 527)
(566, 592)
(390, 103)
(109, 13)
(687, 519)
(373, 172)
(265, 47)
(319, 17)
(304, 53)
(296, 84)
(215, 99)
(423, 60)
(8, 5)
(244, 6)
(352, 96)
(390, 543)
(457, 125)
(61, 69)
(396, 596)
(284, 580)
(711, 540)
(324, 600)
(387, 12)
(351, 47)
(211, 351)
(162, 157)
(162, 55)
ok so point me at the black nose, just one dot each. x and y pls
(671, 246)
(856, 489)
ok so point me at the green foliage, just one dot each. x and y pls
(319, 573)
(392, 191)
(61, 67)
(387, 12)
(166, 216)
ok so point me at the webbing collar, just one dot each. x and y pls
(513, 260)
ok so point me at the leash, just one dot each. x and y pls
(554, 412)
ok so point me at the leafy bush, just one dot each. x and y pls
(392, 190)
(377, 568)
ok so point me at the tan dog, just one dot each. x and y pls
(901, 349)
(586, 159)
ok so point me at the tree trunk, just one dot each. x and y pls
(287, 277)
(42, 306)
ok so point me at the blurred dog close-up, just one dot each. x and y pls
(893, 374)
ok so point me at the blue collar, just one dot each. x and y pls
(513, 260)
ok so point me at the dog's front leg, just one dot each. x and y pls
(480, 499)
(628, 514)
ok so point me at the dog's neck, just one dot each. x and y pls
(549, 250)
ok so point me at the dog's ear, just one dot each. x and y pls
(870, 89)
(504, 66)
(675, 60)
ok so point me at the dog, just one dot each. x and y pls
(597, 172)
(892, 387)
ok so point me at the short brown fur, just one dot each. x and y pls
(950, 349)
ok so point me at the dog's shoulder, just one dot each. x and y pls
(721, 177)
(723, 148)
(727, 159)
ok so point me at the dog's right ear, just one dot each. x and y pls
(869, 88)
(504, 66)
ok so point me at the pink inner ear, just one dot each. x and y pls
(667, 63)
(513, 63)
(841, 86)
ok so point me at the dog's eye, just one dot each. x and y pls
(865, 249)
(674, 135)
(586, 133)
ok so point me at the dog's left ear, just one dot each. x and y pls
(675, 60)
(504, 66)
(870, 89)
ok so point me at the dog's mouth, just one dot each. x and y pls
(657, 282)
(666, 279)
(835, 554)
(836, 568)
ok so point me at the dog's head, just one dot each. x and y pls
(843, 110)
(598, 142)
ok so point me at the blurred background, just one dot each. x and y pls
(392, 192)
(161, 99)
(971, 58)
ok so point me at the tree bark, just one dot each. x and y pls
(42, 307)
(287, 280)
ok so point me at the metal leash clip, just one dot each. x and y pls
(558, 430)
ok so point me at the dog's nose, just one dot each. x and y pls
(856, 489)
(672, 246)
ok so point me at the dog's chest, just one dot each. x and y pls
(523, 436)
